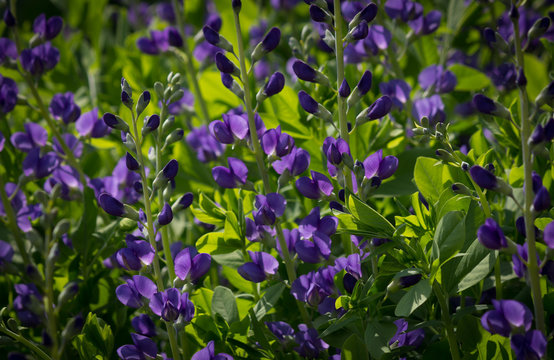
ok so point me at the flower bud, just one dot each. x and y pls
(461, 189)
(131, 162)
(491, 235)
(151, 124)
(61, 228)
(173, 137)
(268, 44)
(237, 5)
(115, 122)
(232, 85)
(488, 106)
(358, 33)
(159, 88)
(9, 19)
(362, 88)
(377, 110)
(344, 90)
(546, 96)
(487, 180)
(367, 14)
(166, 215)
(307, 73)
(538, 29)
(319, 15)
(143, 101)
(183, 202)
(274, 85)
(445, 156)
(225, 65)
(168, 173)
(125, 87)
(214, 38)
(495, 41)
(542, 200)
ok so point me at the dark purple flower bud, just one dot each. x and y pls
(39, 59)
(304, 71)
(537, 136)
(166, 215)
(409, 280)
(307, 102)
(521, 80)
(111, 205)
(489, 35)
(406, 338)
(368, 13)
(344, 90)
(271, 40)
(126, 99)
(319, 15)
(548, 235)
(225, 65)
(542, 200)
(184, 202)
(170, 169)
(319, 185)
(379, 108)
(170, 303)
(484, 104)
(548, 270)
(9, 19)
(237, 5)
(8, 50)
(47, 29)
(549, 130)
(189, 265)
(151, 124)
(546, 96)
(115, 122)
(491, 235)
(483, 177)
(143, 348)
(275, 84)
(6, 253)
(514, 12)
(211, 35)
(144, 325)
(131, 162)
(539, 28)
(531, 345)
(8, 94)
(227, 80)
(282, 331)
(364, 85)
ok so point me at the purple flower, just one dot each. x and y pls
(504, 76)
(7, 50)
(47, 29)
(281, 330)
(165, 216)
(39, 166)
(403, 9)
(69, 180)
(138, 15)
(403, 337)
(319, 231)
(397, 90)
(24, 213)
(296, 162)
(314, 287)
(508, 315)
(72, 143)
(134, 290)
(334, 150)
(28, 304)
(269, 207)
(143, 348)
(40, 59)
(483, 177)
(170, 304)
(519, 266)
(144, 325)
(379, 108)
(35, 136)
(111, 205)
(233, 127)
(6, 253)
(89, 124)
(316, 187)
(274, 85)
(157, 43)
(309, 343)
(276, 143)
(531, 345)
(435, 76)
(208, 352)
(165, 11)
(425, 25)
(8, 94)
(136, 254)
(191, 265)
(378, 38)
(232, 177)
(491, 236)
(431, 107)
(62, 107)
(541, 202)
(204, 145)
(548, 235)
(382, 167)
(262, 264)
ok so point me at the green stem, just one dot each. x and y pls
(150, 228)
(19, 338)
(12, 223)
(189, 64)
(291, 272)
(449, 328)
(49, 305)
(532, 265)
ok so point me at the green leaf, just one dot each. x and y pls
(354, 349)
(377, 336)
(214, 243)
(202, 298)
(449, 236)
(479, 143)
(416, 296)
(96, 339)
(469, 79)
(368, 216)
(428, 178)
(87, 225)
(224, 304)
(268, 300)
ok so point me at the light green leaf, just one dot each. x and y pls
(416, 296)
(469, 79)
(354, 349)
(428, 178)
(224, 304)
(268, 300)
(449, 236)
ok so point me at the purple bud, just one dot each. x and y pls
(166, 215)
(491, 236)
(483, 177)
(514, 12)
(319, 15)
(9, 19)
(379, 108)
(548, 235)
(111, 205)
(344, 90)
(307, 102)
(542, 200)
(144, 325)
(173, 37)
(537, 136)
(171, 169)
(227, 80)
(126, 99)
(237, 5)
(368, 13)
(409, 280)
(304, 71)
(211, 35)
(549, 127)
(364, 85)
(272, 39)
(489, 35)
(225, 65)
(360, 32)
(131, 162)
(530, 345)
(275, 84)
(521, 80)
(152, 123)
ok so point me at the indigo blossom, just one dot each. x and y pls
(432, 108)
(276, 143)
(262, 265)
(35, 136)
(170, 304)
(144, 325)
(204, 145)
(531, 345)
(191, 265)
(40, 59)
(403, 337)
(232, 177)
(47, 29)
(436, 77)
(136, 254)
(316, 187)
(319, 230)
(8, 94)
(491, 235)
(62, 107)
(296, 162)
(233, 127)
(134, 290)
(208, 353)
(89, 124)
(143, 348)
(8, 50)
(269, 207)
(507, 316)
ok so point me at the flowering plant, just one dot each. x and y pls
(232, 179)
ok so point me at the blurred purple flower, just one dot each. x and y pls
(40, 59)
(143, 348)
(134, 290)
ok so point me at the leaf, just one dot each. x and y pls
(428, 178)
(268, 300)
(96, 339)
(449, 236)
(214, 243)
(83, 235)
(368, 216)
(224, 304)
(377, 336)
(416, 296)
(354, 349)
(469, 79)
(202, 298)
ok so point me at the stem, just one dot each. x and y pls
(291, 272)
(151, 235)
(49, 305)
(532, 265)
(189, 64)
(27, 343)
(12, 223)
(165, 235)
(449, 328)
